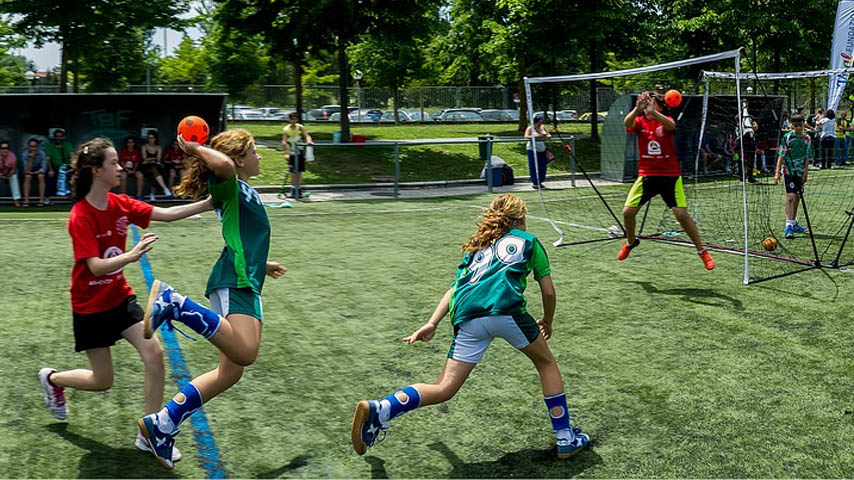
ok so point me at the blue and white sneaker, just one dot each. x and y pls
(366, 426)
(161, 308)
(789, 231)
(141, 443)
(159, 444)
(798, 228)
(569, 447)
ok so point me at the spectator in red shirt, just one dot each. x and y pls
(130, 158)
(104, 307)
(658, 172)
(174, 158)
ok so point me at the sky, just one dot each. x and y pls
(47, 56)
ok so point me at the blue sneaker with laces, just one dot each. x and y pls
(161, 308)
(160, 444)
(569, 446)
(799, 229)
(366, 426)
(789, 231)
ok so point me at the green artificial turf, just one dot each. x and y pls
(672, 370)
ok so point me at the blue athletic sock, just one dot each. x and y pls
(392, 406)
(558, 412)
(202, 320)
(178, 412)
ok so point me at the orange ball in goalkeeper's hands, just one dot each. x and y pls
(673, 98)
(194, 129)
(770, 244)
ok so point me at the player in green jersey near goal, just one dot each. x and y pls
(486, 301)
(793, 161)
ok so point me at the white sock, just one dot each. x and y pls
(791, 223)
(566, 434)
(385, 410)
(164, 423)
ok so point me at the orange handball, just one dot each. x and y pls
(673, 98)
(194, 129)
(770, 244)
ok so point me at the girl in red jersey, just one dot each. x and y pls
(104, 307)
(659, 172)
(130, 158)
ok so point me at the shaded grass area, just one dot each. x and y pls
(337, 165)
(674, 371)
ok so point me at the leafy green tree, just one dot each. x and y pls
(187, 64)
(235, 60)
(82, 26)
(392, 52)
(12, 67)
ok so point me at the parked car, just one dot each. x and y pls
(494, 115)
(273, 113)
(411, 115)
(249, 114)
(367, 115)
(326, 111)
(586, 116)
(231, 112)
(457, 115)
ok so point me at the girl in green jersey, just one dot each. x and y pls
(233, 324)
(486, 301)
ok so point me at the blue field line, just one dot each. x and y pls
(202, 435)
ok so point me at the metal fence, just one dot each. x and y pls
(426, 98)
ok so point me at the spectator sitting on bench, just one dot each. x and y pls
(35, 165)
(9, 170)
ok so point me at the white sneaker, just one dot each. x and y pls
(141, 443)
(54, 397)
(151, 197)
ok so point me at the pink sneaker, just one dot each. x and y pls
(54, 397)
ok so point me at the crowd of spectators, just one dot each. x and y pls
(45, 164)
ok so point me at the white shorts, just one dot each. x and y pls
(473, 337)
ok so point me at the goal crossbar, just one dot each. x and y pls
(633, 71)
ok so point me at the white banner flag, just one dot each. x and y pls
(842, 53)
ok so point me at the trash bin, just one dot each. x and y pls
(359, 139)
(497, 177)
(336, 136)
(482, 146)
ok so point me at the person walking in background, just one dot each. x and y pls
(292, 134)
(537, 166)
(35, 165)
(9, 170)
(59, 153)
(748, 143)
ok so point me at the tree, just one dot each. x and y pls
(12, 67)
(187, 64)
(81, 27)
(392, 52)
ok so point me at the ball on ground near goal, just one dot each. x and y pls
(194, 129)
(613, 231)
(673, 98)
(770, 244)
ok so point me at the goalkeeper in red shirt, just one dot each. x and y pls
(658, 172)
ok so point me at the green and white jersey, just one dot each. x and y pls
(492, 281)
(246, 231)
(795, 149)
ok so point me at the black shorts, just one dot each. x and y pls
(104, 329)
(292, 160)
(794, 183)
(150, 170)
(645, 188)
